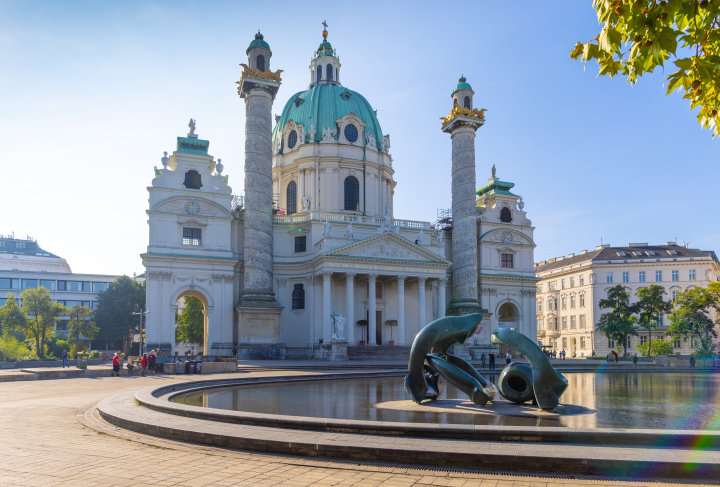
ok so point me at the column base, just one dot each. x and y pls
(259, 324)
(465, 307)
(259, 298)
(262, 351)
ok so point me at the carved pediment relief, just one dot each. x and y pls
(387, 246)
(507, 237)
(191, 206)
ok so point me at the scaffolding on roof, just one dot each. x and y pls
(444, 220)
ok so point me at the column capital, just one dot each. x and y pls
(401, 278)
(327, 275)
(443, 281)
(372, 277)
(350, 275)
(422, 280)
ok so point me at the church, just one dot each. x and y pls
(311, 261)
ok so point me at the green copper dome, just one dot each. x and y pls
(462, 85)
(325, 48)
(322, 105)
(258, 42)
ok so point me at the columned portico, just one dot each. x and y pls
(372, 309)
(401, 309)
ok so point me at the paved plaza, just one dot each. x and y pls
(51, 437)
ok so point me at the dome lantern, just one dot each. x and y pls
(325, 65)
(259, 53)
(463, 93)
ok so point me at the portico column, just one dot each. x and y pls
(326, 310)
(350, 306)
(421, 303)
(401, 309)
(372, 326)
(301, 189)
(442, 284)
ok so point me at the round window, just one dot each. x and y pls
(292, 139)
(351, 133)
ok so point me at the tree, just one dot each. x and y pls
(637, 36)
(41, 312)
(80, 323)
(659, 347)
(692, 319)
(190, 326)
(12, 317)
(650, 307)
(619, 323)
(115, 308)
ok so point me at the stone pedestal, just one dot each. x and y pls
(338, 351)
(259, 326)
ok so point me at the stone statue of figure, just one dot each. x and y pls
(340, 321)
(386, 144)
(385, 226)
(301, 134)
(306, 202)
(421, 237)
(192, 127)
(312, 134)
(328, 134)
(326, 229)
(349, 231)
(441, 238)
(493, 171)
(370, 141)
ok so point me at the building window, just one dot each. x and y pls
(298, 296)
(550, 304)
(675, 276)
(582, 321)
(555, 304)
(291, 197)
(192, 180)
(582, 300)
(573, 322)
(352, 194)
(609, 277)
(539, 306)
(582, 342)
(292, 139)
(506, 260)
(260, 62)
(466, 102)
(78, 286)
(564, 342)
(553, 285)
(329, 70)
(677, 344)
(641, 276)
(674, 294)
(99, 287)
(691, 277)
(29, 283)
(572, 301)
(582, 280)
(538, 288)
(572, 282)
(564, 323)
(564, 303)
(660, 319)
(192, 236)
(505, 215)
(643, 339)
(626, 277)
(9, 283)
(319, 74)
(658, 276)
(351, 133)
(562, 283)
(301, 244)
(49, 285)
(539, 324)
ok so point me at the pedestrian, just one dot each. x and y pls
(158, 353)
(144, 365)
(491, 356)
(692, 361)
(151, 362)
(593, 353)
(64, 358)
(116, 365)
(508, 358)
(235, 352)
(562, 354)
(616, 356)
(635, 359)
(482, 360)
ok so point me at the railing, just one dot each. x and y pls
(348, 218)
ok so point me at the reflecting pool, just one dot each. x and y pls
(592, 400)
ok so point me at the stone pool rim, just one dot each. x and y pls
(159, 398)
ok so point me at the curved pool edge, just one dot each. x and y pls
(159, 399)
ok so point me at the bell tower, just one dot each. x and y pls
(462, 95)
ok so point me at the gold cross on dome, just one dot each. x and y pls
(324, 24)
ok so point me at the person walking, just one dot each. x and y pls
(235, 352)
(635, 359)
(64, 358)
(482, 360)
(116, 365)
(144, 365)
(508, 358)
(562, 354)
(616, 356)
(692, 361)
(491, 356)
(151, 362)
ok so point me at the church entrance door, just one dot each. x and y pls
(378, 327)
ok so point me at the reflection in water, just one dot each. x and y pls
(621, 400)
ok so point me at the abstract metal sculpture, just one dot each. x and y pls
(429, 361)
(547, 384)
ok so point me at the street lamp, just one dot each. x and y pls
(142, 330)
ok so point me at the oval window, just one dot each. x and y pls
(292, 139)
(351, 133)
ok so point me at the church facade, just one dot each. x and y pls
(312, 258)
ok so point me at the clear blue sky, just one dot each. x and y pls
(92, 93)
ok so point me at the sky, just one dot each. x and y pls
(92, 93)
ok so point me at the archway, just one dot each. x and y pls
(507, 315)
(191, 323)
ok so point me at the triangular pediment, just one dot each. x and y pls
(387, 246)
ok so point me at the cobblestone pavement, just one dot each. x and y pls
(49, 436)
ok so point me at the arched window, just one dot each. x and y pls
(351, 133)
(505, 215)
(292, 139)
(298, 297)
(466, 102)
(319, 73)
(260, 62)
(329, 72)
(193, 180)
(291, 198)
(352, 194)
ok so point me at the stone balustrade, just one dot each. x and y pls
(348, 218)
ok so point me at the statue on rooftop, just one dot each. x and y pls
(493, 171)
(192, 127)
